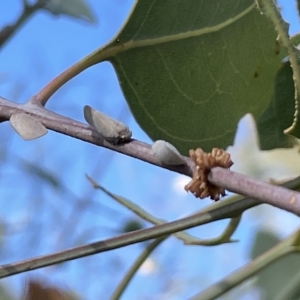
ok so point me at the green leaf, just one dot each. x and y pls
(274, 278)
(131, 225)
(74, 8)
(269, 8)
(5, 293)
(42, 173)
(279, 114)
(190, 69)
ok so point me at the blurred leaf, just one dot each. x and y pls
(189, 72)
(4, 294)
(41, 173)
(37, 290)
(264, 241)
(270, 9)
(280, 113)
(73, 8)
(277, 276)
(131, 225)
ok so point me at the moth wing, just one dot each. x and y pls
(100, 122)
(27, 126)
(167, 153)
(110, 129)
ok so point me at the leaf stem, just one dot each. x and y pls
(46, 92)
(134, 268)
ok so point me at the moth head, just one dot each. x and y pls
(125, 134)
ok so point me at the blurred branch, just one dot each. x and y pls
(28, 10)
(225, 236)
(220, 212)
(285, 247)
(134, 268)
(185, 237)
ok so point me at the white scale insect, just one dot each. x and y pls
(111, 130)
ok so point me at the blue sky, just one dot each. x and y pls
(41, 49)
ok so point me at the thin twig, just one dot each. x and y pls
(185, 237)
(222, 212)
(28, 10)
(134, 268)
(283, 248)
(117, 242)
(223, 238)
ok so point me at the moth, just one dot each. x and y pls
(110, 129)
(167, 153)
(27, 126)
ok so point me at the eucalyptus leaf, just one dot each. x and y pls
(131, 225)
(269, 8)
(74, 8)
(280, 112)
(27, 126)
(190, 70)
(276, 277)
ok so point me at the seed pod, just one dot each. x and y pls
(111, 130)
(167, 153)
(27, 126)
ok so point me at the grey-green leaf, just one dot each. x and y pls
(276, 277)
(280, 113)
(191, 69)
(27, 126)
(74, 8)
(269, 8)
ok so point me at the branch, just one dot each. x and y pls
(219, 213)
(267, 193)
(234, 182)
(224, 237)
